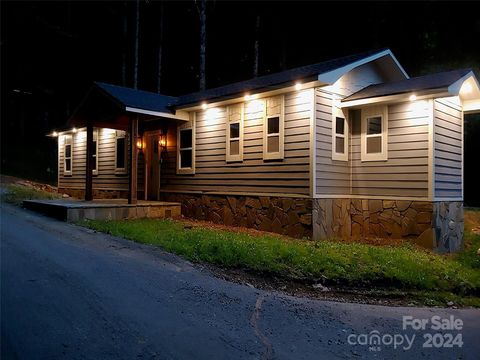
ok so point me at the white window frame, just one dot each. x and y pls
(239, 156)
(119, 134)
(67, 140)
(183, 127)
(339, 113)
(367, 113)
(95, 138)
(279, 155)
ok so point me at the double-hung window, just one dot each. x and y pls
(68, 155)
(273, 130)
(120, 152)
(339, 134)
(95, 153)
(374, 134)
(186, 147)
(234, 132)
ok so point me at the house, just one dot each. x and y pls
(346, 148)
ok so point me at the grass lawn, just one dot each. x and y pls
(421, 275)
(15, 194)
(404, 270)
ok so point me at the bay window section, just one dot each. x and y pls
(374, 134)
(340, 132)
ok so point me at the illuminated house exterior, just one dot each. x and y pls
(346, 148)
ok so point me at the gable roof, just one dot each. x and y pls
(133, 99)
(335, 68)
(438, 81)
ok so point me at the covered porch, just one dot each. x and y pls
(144, 118)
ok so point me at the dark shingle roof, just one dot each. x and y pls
(272, 81)
(421, 83)
(138, 98)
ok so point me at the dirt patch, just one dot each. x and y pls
(5, 179)
(316, 290)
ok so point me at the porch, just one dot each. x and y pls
(72, 210)
(115, 143)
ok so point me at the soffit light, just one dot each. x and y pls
(413, 97)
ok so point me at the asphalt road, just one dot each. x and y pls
(70, 293)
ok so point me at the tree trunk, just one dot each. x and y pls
(124, 45)
(203, 40)
(137, 30)
(255, 55)
(160, 46)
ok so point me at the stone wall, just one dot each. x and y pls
(289, 216)
(98, 194)
(431, 225)
(448, 225)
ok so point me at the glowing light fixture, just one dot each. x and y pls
(466, 88)
(74, 130)
(298, 86)
(204, 106)
(413, 97)
(247, 97)
(54, 134)
(139, 143)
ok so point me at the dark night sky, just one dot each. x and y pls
(53, 51)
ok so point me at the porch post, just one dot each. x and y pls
(133, 153)
(88, 163)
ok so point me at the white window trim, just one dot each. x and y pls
(95, 138)
(239, 156)
(68, 140)
(188, 126)
(279, 155)
(121, 135)
(337, 112)
(380, 111)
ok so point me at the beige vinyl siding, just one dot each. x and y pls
(448, 149)
(254, 174)
(332, 176)
(405, 172)
(106, 178)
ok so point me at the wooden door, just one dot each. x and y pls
(153, 167)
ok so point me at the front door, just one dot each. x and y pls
(153, 167)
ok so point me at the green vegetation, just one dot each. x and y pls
(421, 274)
(15, 194)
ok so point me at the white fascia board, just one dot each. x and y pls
(331, 76)
(179, 115)
(471, 106)
(393, 98)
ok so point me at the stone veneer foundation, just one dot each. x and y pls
(434, 225)
(98, 194)
(283, 215)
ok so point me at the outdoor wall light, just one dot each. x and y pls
(162, 141)
(139, 144)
